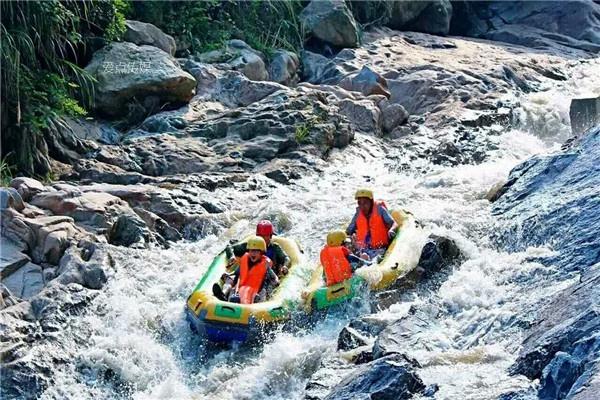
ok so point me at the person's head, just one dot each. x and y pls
(264, 229)
(364, 199)
(336, 238)
(256, 247)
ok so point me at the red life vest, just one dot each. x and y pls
(375, 225)
(251, 279)
(335, 264)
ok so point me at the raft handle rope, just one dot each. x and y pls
(395, 266)
(338, 290)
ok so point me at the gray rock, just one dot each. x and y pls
(363, 114)
(238, 56)
(25, 282)
(435, 18)
(367, 82)
(27, 187)
(313, 66)
(584, 114)
(100, 132)
(332, 22)
(91, 272)
(11, 257)
(144, 33)
(284, 68)
(10, 198)
(128, 74)
(439, 252)
(391, 377)
(349, 338)
(7, 299)
(393, 115)
(128, 230)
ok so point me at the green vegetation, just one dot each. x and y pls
(46, 44)
(42, 80)
(302, 133)
(205, 25)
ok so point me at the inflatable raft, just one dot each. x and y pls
(223, 321)
(401, 257)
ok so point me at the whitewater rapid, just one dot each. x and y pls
(138, 344)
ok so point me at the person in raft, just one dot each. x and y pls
(337, 260)
(264, 229)
(254, 271)
(372, 226)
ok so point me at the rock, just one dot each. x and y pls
(10, 198)
(144, 33)
(158, 225)
(145, 76)
(100, 132)
(349, 338)
(393, 115)
(313, 66)
(11, 257)
(391, 377)
(496, 191)
(526, 224)
(367, 82)
(363, 114)
(573, 24)
(332, 22)
(7, 299)
(405, 335)
(27, 187)
(284, 68)
(236, 90)
(238, 56)
(447, 153)
(584, 114)
(90, 271)
(26, 281)
(435, 18)
(439, 252)
(128, 230)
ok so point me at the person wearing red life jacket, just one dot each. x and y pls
(255, 269)
(372, 226)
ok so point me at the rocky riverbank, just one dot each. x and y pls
(181, 146)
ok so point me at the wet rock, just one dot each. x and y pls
(128, 230)
(329, 373)
(438, 253)
(7, 299)
(391, 377)
(562, 348)
(145, 76)
(144, 33)
(27, 187)
(546, 177)
(584, 114)
(332, 22)
(349, 338)
(447, 153)
(158, 225)
(367, 82)
(313, 66)
(496, 191)
(88, 270)
(26, 281)
(403, 336)
(284, 68)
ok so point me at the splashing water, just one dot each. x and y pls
(140, 346)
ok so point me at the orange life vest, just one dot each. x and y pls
(375, 225)
(335, 264)
(251, 279)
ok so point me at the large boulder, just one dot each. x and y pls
(27, 187)
(584, 114)
(284, 68)
(144, 33)
(130, 76)
(128, 230)
(331, 21)
(313, 66)
(25, 282)
(392, 377)
(541, 24)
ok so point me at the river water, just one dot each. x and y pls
(138, 344)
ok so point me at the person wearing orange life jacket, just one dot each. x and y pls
(372, 226)
(337, 260)
(255, 269)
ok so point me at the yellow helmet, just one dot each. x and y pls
(368, 193)
(336, 238)
(256, 243)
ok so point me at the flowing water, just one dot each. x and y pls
(140, 345)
